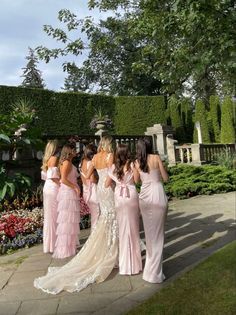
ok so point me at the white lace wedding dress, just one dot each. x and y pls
(98, 256)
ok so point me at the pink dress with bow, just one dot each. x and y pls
(127, 211)
(153, 206)
(50, 191)
(68, 218)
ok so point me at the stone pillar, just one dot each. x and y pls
(159, 133)
(197, 158)
(170, 145)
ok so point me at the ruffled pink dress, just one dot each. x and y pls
(50, 192)
(68, 218)
(153, 206)
(90, 198)
(127, 214)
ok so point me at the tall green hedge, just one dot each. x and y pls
(59, 113)
(174, 106)
(187, 118)
(62, 113)
(135, 113)
(215, 114)
(227, 121)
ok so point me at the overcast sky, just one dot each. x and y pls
(21, 26)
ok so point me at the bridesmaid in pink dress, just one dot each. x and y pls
(50, 174)
(127, 211)
(90, 185)
(153, 206)
(68, 206)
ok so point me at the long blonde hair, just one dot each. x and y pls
(50, 150)
(105, 144)
(66, 153)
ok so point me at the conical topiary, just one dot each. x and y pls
(227, 134)
(215, 116)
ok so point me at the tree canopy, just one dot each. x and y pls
(148, 47)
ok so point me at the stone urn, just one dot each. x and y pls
(101, 124)
(101, 128)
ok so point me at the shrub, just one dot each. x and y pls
(187, 181)
(226, 158)
(18, 129)
(11, 185)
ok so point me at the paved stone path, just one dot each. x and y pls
(195, 228)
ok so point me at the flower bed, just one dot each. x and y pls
(24, 228)
(20, 228)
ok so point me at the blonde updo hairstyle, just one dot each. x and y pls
(50, 150)
(66, 153)
(105, 144)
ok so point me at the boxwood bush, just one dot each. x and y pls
(187, 181)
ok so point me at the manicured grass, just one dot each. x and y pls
(208, 289)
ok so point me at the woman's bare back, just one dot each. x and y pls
(102, 160)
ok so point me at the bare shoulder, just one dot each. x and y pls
(53, 161)
(66, 164)
(153, 157)
(158, 159)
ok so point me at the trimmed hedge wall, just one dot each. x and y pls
(135, 113)
(59, 112)
(62, 113)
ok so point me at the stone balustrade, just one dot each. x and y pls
(196, 153)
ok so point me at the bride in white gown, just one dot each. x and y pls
(99, 254)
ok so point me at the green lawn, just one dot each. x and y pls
(208, 289)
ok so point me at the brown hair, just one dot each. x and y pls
(122, 156)
(143, 149)
(89, 151)
(66, 153)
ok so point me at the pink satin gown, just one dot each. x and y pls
(50, 192)
(127, 212)
(90, 198)
(68, 218)
(153, 206)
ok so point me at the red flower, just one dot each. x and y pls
(12, 225)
